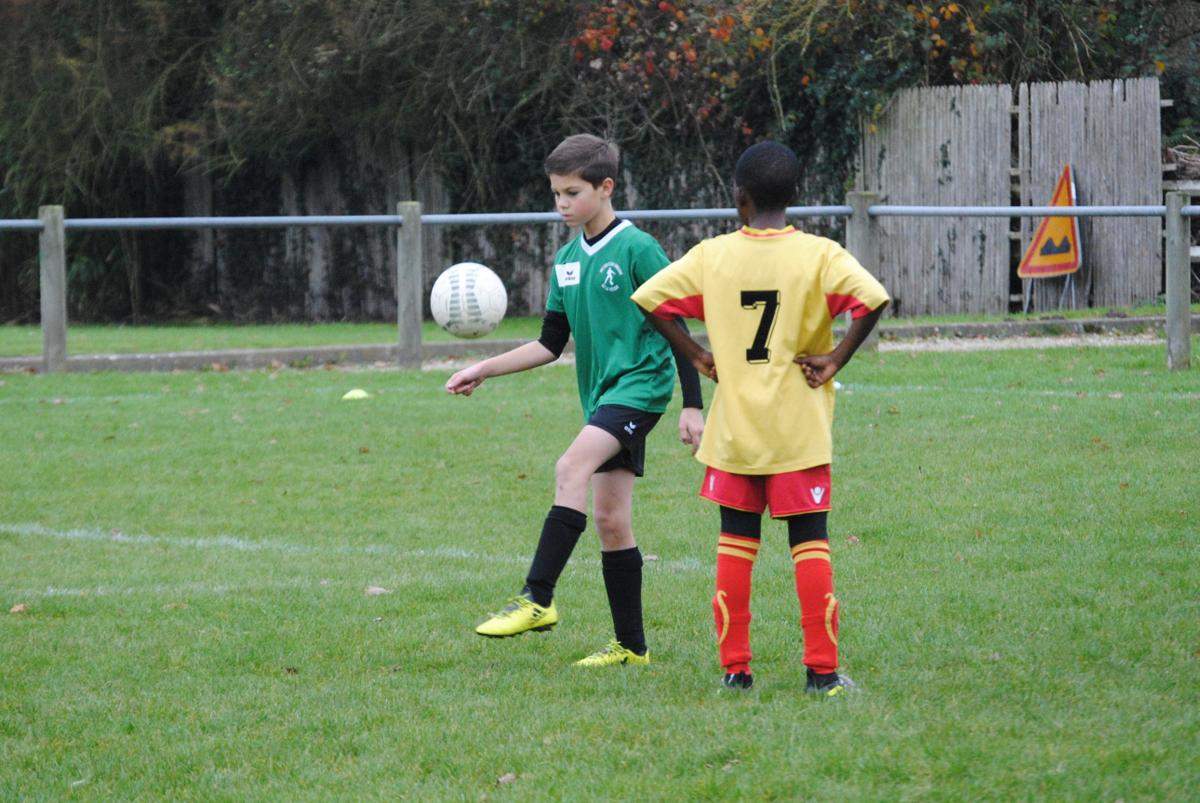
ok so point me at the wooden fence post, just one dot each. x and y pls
(862, 242)
(409, 284)
(1179, 290)
(52, 257)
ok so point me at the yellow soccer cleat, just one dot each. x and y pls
(519, 615)
(613, 654)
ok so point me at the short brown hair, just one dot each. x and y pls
(594, 159)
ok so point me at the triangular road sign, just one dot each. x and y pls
(1055, 248)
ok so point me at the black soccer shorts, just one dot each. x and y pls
(630, 426)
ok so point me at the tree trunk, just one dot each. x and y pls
(200, 258)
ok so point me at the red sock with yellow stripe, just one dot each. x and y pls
(736, 553)
(818, 606)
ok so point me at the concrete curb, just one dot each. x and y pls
(314, 356)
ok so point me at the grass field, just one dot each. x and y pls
(1014, 538)
(17, 341)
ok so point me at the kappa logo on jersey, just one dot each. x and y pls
(609, 272)
(818, 493)
(568, 273)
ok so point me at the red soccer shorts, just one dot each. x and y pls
(789, 494)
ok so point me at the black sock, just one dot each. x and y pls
(820, 681)
(623, 582)
(559, 535)
(808, 527)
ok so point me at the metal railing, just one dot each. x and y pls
(1026, 211)
(862, 209)
(349, 221)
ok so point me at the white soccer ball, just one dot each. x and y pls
(468, 300)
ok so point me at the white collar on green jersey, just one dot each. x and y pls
(592, 250)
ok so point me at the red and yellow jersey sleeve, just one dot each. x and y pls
(848, 287)
(677, 291)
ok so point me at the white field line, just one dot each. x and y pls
(232, 543)
(394, 584)
(162, 590)
(215, 542)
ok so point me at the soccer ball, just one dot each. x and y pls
(468, 300)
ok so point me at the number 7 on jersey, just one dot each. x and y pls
(769, 299)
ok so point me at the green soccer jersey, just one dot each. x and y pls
(619, 357)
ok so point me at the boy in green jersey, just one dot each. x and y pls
(625, 375)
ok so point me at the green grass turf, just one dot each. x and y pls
(1014, 539)
(17, 341)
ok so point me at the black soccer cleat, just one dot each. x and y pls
(737, 680)
(828, 685)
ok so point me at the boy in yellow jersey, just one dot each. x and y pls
(769, 295)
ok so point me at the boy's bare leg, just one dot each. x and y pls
(612, 505)
(592, 448)
(566, 520)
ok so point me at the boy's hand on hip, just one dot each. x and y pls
(465, 381)
(818, 368)
(705, 365)
(691, 427)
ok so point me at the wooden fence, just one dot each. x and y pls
(955, 146)
(942, 146)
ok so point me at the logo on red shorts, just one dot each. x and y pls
(818, 493)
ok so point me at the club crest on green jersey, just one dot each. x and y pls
(609, 272)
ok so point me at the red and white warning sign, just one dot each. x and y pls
(1055, 248)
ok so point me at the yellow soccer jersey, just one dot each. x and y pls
(766, 295)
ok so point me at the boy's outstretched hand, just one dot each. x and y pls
(818, 368)
(465, 381)
(522, 358)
